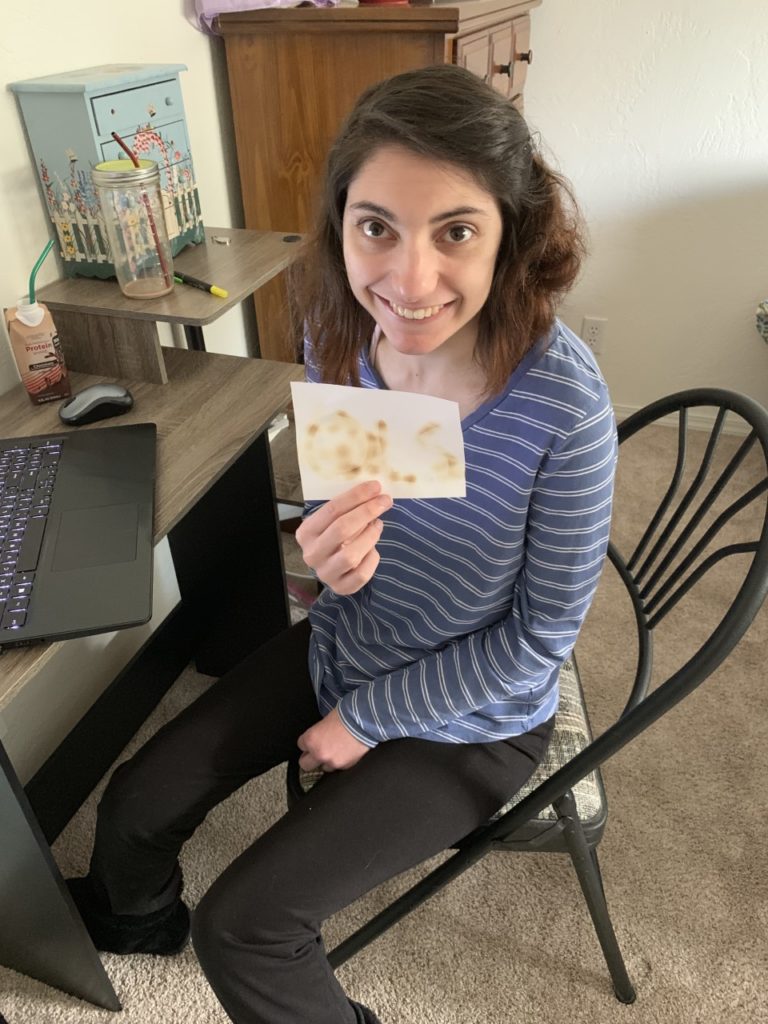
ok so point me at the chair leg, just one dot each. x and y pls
(588, 871)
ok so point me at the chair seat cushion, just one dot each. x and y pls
(570, 735)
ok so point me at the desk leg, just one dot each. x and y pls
(41, 934)
(194, 336)
(229, 564)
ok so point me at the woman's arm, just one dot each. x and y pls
(566, 540)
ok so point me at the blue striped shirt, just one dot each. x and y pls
(460, 633)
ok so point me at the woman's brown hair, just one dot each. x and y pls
(446, 114)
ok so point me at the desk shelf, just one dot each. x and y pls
(102, 331)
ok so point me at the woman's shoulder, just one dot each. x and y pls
(571, 358)
(557, 390)
(566, 375)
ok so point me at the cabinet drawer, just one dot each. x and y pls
(165, 145)
(499, 54)
(510, 57)
(473, 53)
(501, 42)
(129, 108)
(522, 55)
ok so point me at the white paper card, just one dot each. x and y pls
(411, 443)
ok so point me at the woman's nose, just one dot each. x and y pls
(415, 273)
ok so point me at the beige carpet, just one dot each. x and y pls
(684, 862)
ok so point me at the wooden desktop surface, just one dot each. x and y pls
(209, 412)
(250, 260)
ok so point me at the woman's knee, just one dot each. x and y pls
(132, 804)
(220, 927)
(240, 912)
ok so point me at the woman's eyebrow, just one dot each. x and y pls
(379, 211)
(382, 211)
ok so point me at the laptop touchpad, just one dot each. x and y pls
(96, 536)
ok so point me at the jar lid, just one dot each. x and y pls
(122, 172)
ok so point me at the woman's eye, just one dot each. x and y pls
(373, 229)
(459, 233)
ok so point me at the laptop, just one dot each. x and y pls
(76, 532)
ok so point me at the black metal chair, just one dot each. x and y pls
(563, 807)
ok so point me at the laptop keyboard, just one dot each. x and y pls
(27, 475)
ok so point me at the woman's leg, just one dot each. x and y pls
(257, 930)
(245, 724)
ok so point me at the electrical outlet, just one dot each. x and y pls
(593, 330)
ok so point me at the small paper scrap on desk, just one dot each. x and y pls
(411, 443)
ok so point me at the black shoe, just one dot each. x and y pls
(164, 932)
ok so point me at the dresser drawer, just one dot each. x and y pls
(522, 56)
(165, 145)
(129, 108)
(499, 54)
(473, 53)
(501, 44)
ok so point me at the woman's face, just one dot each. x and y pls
(420, 245)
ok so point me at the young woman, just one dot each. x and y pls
(424, 684)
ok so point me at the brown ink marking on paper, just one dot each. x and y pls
(444, 465)
(426, 430)
(357, 452)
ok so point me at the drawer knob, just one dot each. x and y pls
(506, 69)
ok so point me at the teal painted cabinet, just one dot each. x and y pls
(69, 120)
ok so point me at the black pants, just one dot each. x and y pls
(257, 930)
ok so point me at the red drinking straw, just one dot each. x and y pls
(153, 227)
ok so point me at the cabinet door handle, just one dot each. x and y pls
(506, 69)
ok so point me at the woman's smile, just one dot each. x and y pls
(417, 314)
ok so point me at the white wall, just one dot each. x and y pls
(658, 112)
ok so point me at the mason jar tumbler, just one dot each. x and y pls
(132, 211)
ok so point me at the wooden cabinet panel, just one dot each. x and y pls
(501, 49)
(510, 55)
(289, 100)
(522, 56)
(473, 53)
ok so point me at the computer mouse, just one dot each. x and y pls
(97, 402)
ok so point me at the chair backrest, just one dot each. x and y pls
(674, 554)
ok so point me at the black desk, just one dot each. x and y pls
(215, 502)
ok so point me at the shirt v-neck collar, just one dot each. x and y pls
(531, 357)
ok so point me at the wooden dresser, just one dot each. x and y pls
(294, 75)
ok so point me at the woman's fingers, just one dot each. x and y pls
(321, 539)
(307, 763)
(352, 499)
(339, 540)
(349, 581)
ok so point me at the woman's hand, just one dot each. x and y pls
(339, 540)
(329, 745)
